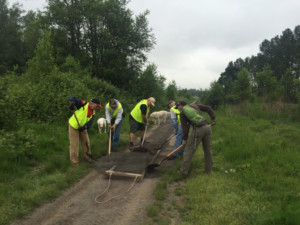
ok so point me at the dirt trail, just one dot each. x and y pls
(77, 205)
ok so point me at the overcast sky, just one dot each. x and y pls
(196, 39)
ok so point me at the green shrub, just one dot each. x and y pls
(18, 146)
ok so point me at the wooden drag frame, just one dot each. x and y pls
(112, 172)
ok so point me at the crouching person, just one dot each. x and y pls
(138, 119)
(114, 117)
(179, 133)
(174, 115)
(79, 122)
(191, 114)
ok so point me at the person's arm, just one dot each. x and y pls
(172, 114)
(144, 112)
(75, 103)
(119, 116)
(208, 109)
(89, 124)
(185, 127)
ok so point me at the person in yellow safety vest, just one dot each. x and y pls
(114, 117)
(138, 118)
(79, 122)
(175, 116)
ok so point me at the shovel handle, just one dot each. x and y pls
(109, 142)
(144, 136)
(175, 150)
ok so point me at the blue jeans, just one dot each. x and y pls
(178, 141)
(115, 135)
(175, 125)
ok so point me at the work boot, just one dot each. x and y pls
(89, 155)
(88, 159)
(75, 164)
(131, 146)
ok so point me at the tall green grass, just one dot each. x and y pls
(256, 174)
(255, 177)
(35, 165)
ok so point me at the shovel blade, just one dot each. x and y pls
(141, 149)
(150, 167)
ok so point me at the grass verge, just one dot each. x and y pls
(35, 165)
(255, 177)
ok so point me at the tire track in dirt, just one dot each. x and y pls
(77, 206)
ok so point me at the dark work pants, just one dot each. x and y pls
(199, 134)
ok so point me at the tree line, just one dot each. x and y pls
(273, 74)
(99, 48)
(74, 47)
(102, 35)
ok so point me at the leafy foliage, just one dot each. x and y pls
(10, 37)
(103, 35)
(18, 145)
(214, 96)
(149, 84)
(171, 91)
(274, 72)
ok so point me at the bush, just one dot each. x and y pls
(17, 146)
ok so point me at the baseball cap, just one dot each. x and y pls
(97, 102)
(113, 103)
(152, 100)
(180, 102)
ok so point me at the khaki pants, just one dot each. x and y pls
(199, 134)
(74, 136)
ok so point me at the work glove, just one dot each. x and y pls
(109, 126)
(113, 127)
(72, 106)
(80, 129)
(213, 122)
(183, 142)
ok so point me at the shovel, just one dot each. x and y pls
(109, 144)
(144, 136)
(142, 148)
(151, 167)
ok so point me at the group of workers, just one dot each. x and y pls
(183, 117)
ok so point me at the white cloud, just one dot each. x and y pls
(30, 4)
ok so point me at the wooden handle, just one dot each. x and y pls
(109, 142)
(144, 136)
(175, 150)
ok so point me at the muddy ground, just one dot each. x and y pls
(84, 203)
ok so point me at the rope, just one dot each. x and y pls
(108, 186)
(102, 202)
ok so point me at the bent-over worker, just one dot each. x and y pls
(191, 115)
(138, 118)
(79, 122)
(114, 116)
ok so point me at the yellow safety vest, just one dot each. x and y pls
(177, 112)
(136, 112)
(114, 113)
(82, 117)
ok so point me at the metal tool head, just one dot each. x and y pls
(151, 167)
(141, 149)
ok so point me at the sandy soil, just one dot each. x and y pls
(77, 205)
